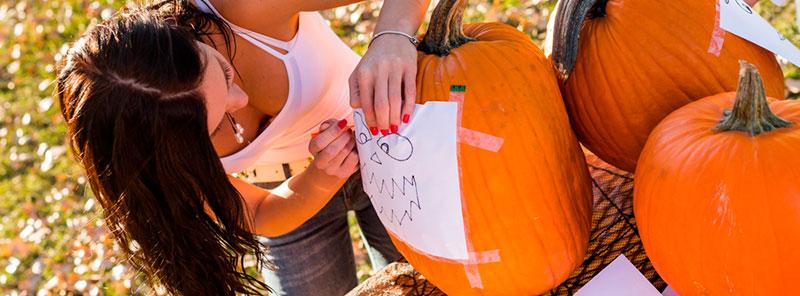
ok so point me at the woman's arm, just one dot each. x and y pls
(283, 209)
(384, 83)
(402, 15)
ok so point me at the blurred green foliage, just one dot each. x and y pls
(52, 238)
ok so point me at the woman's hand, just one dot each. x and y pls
(384, 83)
(334, 150)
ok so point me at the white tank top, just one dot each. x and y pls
(318, 65)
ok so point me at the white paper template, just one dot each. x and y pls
(412, 179)
(669, 292)
(740, 19)
(620, 278)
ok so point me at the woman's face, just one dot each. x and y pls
(222, 95)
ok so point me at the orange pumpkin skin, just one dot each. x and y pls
(532, 199)
(645, 59)
(719, 212)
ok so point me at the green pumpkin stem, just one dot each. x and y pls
(570, 17)
(444, 31)
(751, 113)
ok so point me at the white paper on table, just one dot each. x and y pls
(620, 278)
(412, 179)
(669, 292)
(740, 19)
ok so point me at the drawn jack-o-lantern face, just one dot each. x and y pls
(398, 198)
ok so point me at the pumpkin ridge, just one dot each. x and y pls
(619, 112)
(609, 100)
(684, 40)
(650, 90)
(552, 207)
(563, 205)
(564, 216)
(559, 205)
(570, 203)
(599, 67)
(645, 86)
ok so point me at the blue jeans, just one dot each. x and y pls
(317, 258)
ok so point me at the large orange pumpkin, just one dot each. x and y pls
(531, 200)
(717, 194)
(629, 63)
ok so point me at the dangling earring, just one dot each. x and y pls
(238, 130)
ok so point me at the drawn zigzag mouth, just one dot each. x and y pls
(390, 188)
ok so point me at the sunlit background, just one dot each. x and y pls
(52, 237)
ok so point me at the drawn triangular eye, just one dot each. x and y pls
(396, 147)
(375, 158)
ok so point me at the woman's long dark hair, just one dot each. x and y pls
(204, 25)
(129, 91)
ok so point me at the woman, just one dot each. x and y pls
(302, 199)
(141, 98)
(296, 70)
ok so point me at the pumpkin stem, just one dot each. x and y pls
(567, 29)
(444, 31)
(751, 112)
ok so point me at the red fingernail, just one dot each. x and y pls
(342, 123)
(393, 127)
(406, 118)
(374, 131)
(385, 132)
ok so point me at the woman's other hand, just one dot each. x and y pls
(334, 150)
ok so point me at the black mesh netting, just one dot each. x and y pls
(613, 233)
(613, 229)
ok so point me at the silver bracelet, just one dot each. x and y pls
(413, 39)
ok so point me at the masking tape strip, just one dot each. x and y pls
(475, 258)
(471, 268)
(717, 37)
(472, 137)
(479, 140)
(470, 264)
(457, 95)
(484, 257)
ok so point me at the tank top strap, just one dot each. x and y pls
(266, 43)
